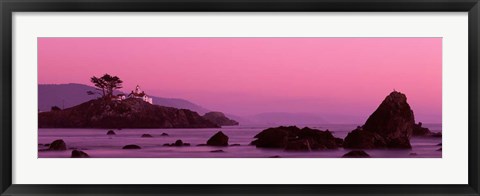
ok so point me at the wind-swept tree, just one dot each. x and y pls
(106, 84)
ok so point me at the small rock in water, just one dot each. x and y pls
(164, 134)
(217, 151)
(356, 154)
(131, 146)
(147, 135)
(201, 144)
(179, 143)
(439, 144)
(79, 154)
(276, 156)
(413, 154)
(235, 145)
(58, 145)
(440, 149)
(111, 132)
(219, 139)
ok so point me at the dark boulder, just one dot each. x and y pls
(179, 143)
(219, 119)
(219, 139)
(147, 135)
(294, 138)
(58, 145)
(164, 134)
(298, 145)
(390, 126)
(131, 146)
(356, 154)
(440, 149)
(111, 132)
(235, 145)
(79, 154)
(439, 144)
(217, 151)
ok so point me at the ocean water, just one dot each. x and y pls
(98, 144)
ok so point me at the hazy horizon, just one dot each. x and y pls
(247, 76)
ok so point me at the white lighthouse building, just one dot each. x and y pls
(139, 94)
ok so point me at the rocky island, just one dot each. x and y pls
(390, 126)
(128, 113)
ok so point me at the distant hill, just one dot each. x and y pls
(220, 119)
(69, 95)
(129, 113)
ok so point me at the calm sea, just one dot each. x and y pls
(97, 144)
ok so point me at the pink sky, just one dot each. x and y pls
(245, 76)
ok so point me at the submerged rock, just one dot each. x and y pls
(164, 134)
(356, 154)
(235, 145)
(440, 149)
(390, 126)
(276, 156)
(58, 145)
(217, 151)
(131, 146)
(177, 143)
(439, 144)
(219, 139)
(111, 132)
(294, 138)
(219, 119)
(79, 154)
(147, 135)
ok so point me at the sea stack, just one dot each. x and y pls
(390, 126)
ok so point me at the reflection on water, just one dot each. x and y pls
(97, 144)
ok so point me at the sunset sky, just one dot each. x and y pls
(246, 76)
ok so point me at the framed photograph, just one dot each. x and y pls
(242, 97)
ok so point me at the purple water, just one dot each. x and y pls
(97, 144)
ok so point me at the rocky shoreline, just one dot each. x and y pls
(390, 126)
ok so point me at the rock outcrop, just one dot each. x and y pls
(356, 154)
(146, 135)
(296, 139)
(220, 119)
(111, 132)
(219, 139)
(79, 154)
(390, 126)
(58, 145)
(129, 113)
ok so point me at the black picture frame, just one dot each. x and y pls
(10, 6)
